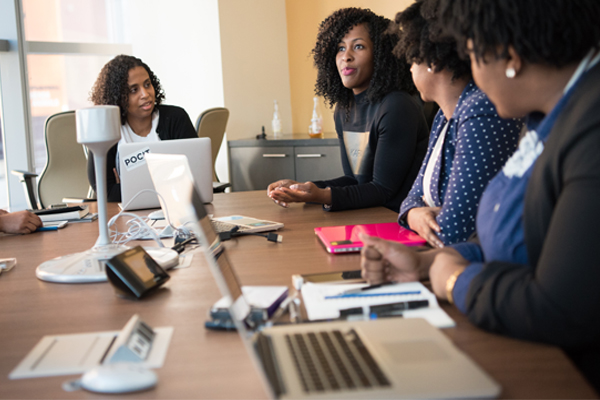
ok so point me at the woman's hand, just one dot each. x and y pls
(288, 191)
(383, 260)
(422, 220)
(445, 263)
(19, 222)
(275, 186)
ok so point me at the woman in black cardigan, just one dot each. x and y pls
(129, 83)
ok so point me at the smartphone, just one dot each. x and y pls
(53, 225)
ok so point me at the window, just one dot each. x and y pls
(61, 82)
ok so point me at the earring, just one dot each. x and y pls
(429, 69)
(510, 73)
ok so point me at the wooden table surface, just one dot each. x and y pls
(207, 364)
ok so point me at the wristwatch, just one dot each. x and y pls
(450, 284)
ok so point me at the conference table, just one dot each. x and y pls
(209, 364)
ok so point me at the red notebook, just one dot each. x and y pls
(344, 238)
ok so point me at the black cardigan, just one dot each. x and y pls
(173, 123)
(555, 299)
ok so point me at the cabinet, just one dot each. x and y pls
(255, 163)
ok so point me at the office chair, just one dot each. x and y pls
(65, 172)
(212, 123)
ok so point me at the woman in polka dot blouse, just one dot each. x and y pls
(469, 142)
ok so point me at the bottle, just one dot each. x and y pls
(315, 130)
(276, 123)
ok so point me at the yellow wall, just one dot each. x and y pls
(303, 19)
(255, 65)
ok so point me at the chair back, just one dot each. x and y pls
(65, 172)
(212, 123)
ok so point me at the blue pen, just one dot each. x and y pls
(353, 295)
(47, 228)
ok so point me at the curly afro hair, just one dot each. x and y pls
(389, 73)
(111, 87)
(421, 40)
(554, 33)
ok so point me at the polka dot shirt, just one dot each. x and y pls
(477, 144)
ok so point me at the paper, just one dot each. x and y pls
(318, 306)
(75, 354)
(257, 296)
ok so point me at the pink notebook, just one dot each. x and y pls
(344, 239)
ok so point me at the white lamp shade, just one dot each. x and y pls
(98, 127)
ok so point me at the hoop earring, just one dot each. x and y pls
(510, 73)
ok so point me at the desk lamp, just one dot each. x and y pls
(99, 128)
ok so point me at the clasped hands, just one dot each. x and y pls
(288, 191)
(385, 261)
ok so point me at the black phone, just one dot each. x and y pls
(134, 273)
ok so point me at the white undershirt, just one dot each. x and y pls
(435, 155)
(129, 136)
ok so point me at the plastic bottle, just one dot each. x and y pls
(316, 123)
(276, 122)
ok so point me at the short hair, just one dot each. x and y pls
(389, 73)
(422, 41)
(550, 32)
(111, 86)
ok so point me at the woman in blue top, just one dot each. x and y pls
(469, 142)
(534, 273)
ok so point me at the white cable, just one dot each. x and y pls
(138, 226)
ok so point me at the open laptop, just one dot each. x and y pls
(169, 171)
(134, 175)
(384, 358)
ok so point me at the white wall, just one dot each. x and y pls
(179, 40)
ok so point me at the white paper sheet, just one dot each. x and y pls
(77, 353)
(319, 307)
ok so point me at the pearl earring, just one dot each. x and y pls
(510, 73)
(429, 69)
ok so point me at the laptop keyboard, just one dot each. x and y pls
(333, 361)
(220, 226)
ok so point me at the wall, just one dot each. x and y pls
(255, 65)
(178, 42)
(303, 19)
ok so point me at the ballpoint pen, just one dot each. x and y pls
(365, 288)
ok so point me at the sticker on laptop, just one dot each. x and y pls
(136, 159)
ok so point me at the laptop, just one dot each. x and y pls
(134, 175)
(169, 171)
(344, 238)
(384, 358)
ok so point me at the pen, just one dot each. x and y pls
(47, 228)
(370, 287)
(400, 306)
(351, 295)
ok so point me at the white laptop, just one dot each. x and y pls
(169, 171)
(384, 358)
(134, 175)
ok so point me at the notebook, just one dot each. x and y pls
(383, 358)
(169, 171)
(344, 238)
(135, 177)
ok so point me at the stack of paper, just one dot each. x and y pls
(323, 301)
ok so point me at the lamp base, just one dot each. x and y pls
(89, 266)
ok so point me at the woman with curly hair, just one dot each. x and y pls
(380, 125)
(127, 82)
(534, 271)
(469, 142)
